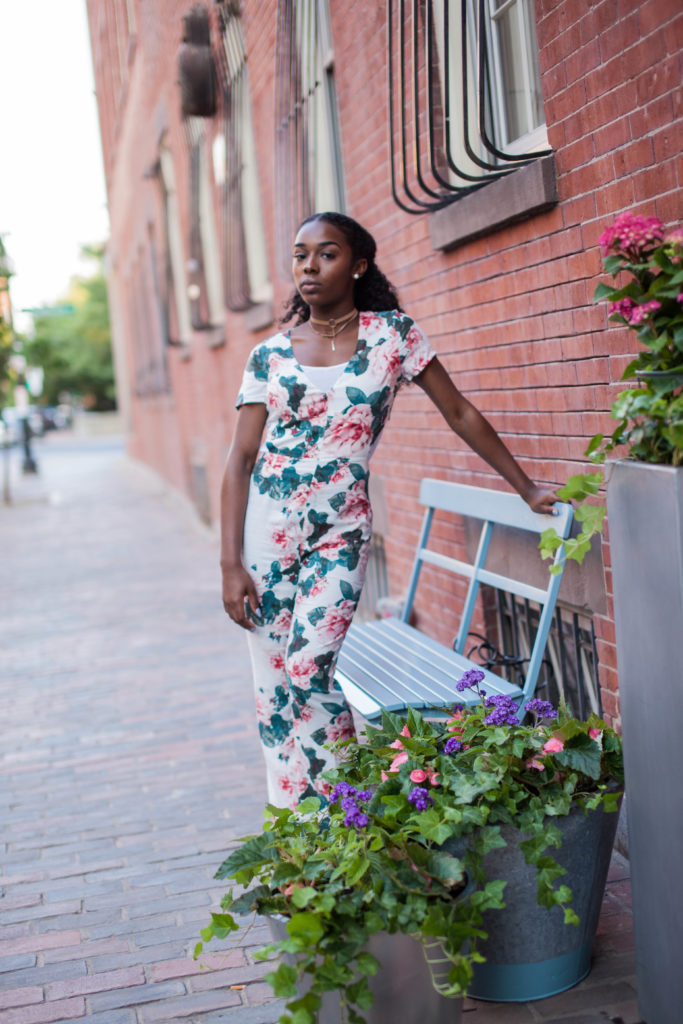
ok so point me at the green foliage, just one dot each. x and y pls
(402, 868)
(649, 416)
(5, 353)
(74, 347)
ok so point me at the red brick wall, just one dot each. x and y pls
(510, 314)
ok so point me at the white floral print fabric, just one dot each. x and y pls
(306, 535)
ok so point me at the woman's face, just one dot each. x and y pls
(323, 266)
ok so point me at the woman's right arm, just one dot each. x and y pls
(238, 586)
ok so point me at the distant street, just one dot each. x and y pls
(128, 751)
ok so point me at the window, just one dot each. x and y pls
(179, 327)
(245, 265)
(518, 103)
(465, 105)
(198, 102)
(205, 290)
(144, 329)
(307, 142)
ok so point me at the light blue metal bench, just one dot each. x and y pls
(389, 664)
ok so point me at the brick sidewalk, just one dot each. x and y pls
(130, 762)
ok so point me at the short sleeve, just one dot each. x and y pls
(418, 352)
(254, 386)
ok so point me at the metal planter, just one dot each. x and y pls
(645, 508)
(530, 952)
(402, 987)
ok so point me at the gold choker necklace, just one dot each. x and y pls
(334, 325)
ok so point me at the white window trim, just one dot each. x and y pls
(537, 138)
(176, 249)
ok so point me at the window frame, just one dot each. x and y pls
(425, 174)
(312, 169)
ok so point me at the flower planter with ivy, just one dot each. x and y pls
(402, 848)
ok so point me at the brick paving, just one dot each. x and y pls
(130, 763)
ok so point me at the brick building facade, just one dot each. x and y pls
(501, 278)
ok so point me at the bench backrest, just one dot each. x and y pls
(491, 508)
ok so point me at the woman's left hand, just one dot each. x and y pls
(542, 500)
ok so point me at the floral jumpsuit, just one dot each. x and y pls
(306, 534)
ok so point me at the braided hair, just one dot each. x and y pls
(372, 291)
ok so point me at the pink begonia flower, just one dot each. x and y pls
(595, 734)
(417, 775)
(434, 779)
(397, 745)
(398, 761)
(405, 731)
(553, 746)
(679, 298)
(533, 763)
(383, 776)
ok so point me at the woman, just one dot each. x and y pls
(296, 519)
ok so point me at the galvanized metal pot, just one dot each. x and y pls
(402, 987)
(645, 507)
(530, 952)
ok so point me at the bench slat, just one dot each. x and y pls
(498, 506)
(393, 666)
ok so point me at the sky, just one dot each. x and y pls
(52, 192)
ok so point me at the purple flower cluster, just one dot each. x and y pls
(541, 708)
(421, 798)
(470, 680)
(348, 798)
(453, 746)
(504, 711)
(633, 235)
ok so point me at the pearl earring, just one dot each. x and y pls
(356, 276)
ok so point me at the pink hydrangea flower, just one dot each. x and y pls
(623, 308)
(417, 775)
(553, 745)
(641, 313)
(632, 235)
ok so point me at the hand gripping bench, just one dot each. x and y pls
(389, 664)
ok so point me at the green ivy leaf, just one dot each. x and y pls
(306, 927)
(283, 981)
(360, 994)
(581, 486)
(302, 897)
(367, 963)
(431, 826)
(446, 868)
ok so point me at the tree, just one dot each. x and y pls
(74, 347)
